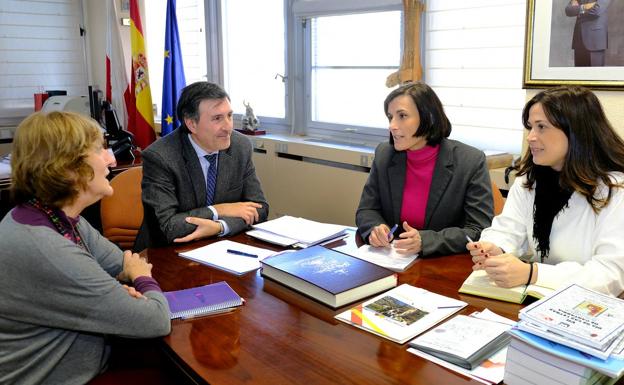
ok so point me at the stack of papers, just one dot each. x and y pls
(297, 232)
(580, 318)
(492, 369)
(233, 257)
(466, 341)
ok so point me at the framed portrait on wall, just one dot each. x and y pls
(574, 42)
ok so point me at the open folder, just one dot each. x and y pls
(298, 232)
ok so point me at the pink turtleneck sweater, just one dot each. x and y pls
(420, 164)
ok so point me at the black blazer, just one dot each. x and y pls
(174, 187)
(460, 198)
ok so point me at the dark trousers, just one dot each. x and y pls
(585, 58)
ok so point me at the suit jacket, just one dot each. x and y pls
(174, 187)
(590, 30)
(460, 199)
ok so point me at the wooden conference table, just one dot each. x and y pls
(282, 337)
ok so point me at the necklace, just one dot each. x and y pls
(58, 222)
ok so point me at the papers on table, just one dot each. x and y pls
(464, 340)
(490, 371)
(387, 257)
(298, 232)
(217, 255)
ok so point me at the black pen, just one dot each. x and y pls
(242, 253)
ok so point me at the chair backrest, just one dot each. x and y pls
(499, 201)
(122, 213)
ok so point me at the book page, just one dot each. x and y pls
(387, 257)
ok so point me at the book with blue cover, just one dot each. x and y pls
(328, 276)
(202, 300)
(612, 367)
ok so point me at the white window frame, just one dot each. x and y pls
(353, 134)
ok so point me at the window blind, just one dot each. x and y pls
(312, 8)
(40, 49)
(473, 61)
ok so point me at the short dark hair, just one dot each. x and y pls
(192, 95)
(434, 124)
(594, 148)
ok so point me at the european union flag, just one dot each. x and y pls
(173, 77)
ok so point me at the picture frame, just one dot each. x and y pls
(549, 54)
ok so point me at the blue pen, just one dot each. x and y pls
(392, 230)
(242, 253)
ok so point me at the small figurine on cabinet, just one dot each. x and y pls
(250, 122)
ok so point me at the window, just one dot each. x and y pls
(473, 61)
(254, 55)
(351, 56)
(191, 27)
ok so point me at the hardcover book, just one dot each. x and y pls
(328, 276)
(564, 357)
(202, 300)
(401, 313)
(478, 283)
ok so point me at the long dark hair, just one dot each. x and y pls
(594, 148)
(434, 125)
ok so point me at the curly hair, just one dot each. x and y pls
(49, 157)
(594, 148)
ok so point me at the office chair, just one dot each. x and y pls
(122, 213)
(499, 201)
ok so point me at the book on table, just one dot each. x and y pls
(215, 298)
(298, 232)
(539, 367)
(387, 257)
(401, 313)
(565, 357)
(577, 317)
(463, 340)
(233, 257)
(328, 276)
(478, 283)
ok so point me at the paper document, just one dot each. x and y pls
(387, 257)
(302, 232)
(217, 256)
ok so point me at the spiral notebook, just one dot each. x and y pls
(202, 300)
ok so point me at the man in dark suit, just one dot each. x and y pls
(590, 38)
(199, 181)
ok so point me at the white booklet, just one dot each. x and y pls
(578, 314)
(236, 258)
(387, 257)
(401, 313)
(490, 371)
(464, 340)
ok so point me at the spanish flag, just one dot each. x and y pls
(141, 120)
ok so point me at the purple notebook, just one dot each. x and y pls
(202, 300)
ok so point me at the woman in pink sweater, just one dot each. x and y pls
(435, 189)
